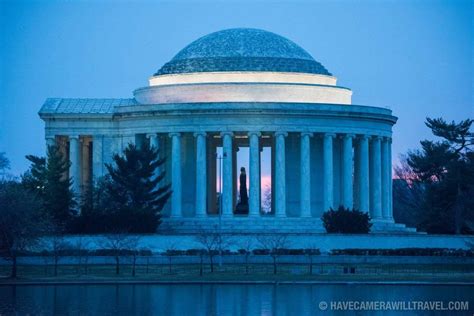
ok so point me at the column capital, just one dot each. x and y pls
(258, 134)
(231, 134)
(377, 137)
(348, 135)
(196, 134)
(329, 135)
(388, 139)
(281, 133)
(150, 135)
(310, 134)
(364, 136)
(174, 134)
(74, 137)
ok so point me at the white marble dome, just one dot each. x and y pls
(243, 65)
(242, 49)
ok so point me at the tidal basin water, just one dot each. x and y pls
(219, 299)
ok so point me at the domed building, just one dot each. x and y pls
(228, 90)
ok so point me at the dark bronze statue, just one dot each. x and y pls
(243, 204)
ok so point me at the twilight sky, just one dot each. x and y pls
(415, 57)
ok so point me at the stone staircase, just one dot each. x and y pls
(264, 224)
(382, 227)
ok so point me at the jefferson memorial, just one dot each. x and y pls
(232, 89)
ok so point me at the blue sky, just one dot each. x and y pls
(412, 56)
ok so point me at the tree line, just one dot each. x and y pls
(433, 189)
(129, 199)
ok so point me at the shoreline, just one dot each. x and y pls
(111, 281)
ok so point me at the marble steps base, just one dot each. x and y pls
(384, 226)
(239, 225)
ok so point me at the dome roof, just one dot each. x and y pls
(242, 49)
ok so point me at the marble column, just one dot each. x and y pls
(97, 156)
(376, 179)
(227, 177)
(328, 186)
(305, 171)
(75, 168)
(363, 174)
(126, 141)
(390, 186)
(254, 176)
(50, 141)
(153, 137)
(280, 175)
(386, 179)
(86, 162)
(155, 143)
(212, 166)
(201, 174)
(176, 185)
(347, 168)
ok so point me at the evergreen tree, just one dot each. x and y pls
(97, 213)
(445, 171)
(47, 178)
(134, 191)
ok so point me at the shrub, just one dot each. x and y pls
(346, 221)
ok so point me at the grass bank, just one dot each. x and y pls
(28, 274)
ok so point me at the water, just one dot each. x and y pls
(216, 299)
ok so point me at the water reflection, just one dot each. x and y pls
(217, 299)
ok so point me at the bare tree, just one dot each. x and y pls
(170, 252)
(310, 253)
(412, 198)
(148, 254)
(246, 248)
(46, 261)
(82, 247)
(267, 200)
(274, 244)
(201, 253)
(212, 241)
(132, 248)
(120, 244)
(58, 249)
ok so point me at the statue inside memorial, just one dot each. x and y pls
(243, 204)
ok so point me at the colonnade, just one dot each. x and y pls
(365, 171)
(370, 175)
